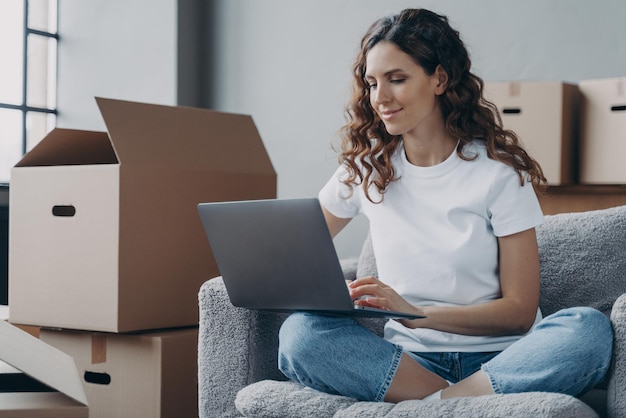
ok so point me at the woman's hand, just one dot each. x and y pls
(371, 292)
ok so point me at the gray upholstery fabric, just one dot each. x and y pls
(292, 400)
(582, 258)
(616, 392)
(235, 348)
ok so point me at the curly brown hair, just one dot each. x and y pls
(367, 147)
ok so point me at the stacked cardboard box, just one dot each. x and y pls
(603, 130)
(149, 374)
(577, 132)
(543, 114)
(108, 252)
(37, 380)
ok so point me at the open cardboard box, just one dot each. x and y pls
(103, 229)
(45, 364)
(544, 116)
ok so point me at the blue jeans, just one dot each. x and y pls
(567, 352)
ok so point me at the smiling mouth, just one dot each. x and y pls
(389, 114)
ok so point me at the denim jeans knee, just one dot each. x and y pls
(567, 352)
(336, 355)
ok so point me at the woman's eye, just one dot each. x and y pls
(371, 86)
(397, 81)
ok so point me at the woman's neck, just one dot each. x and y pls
(427, 151)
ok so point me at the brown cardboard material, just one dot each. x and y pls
(544, 115)
(104, 231)
(143, 375)
(47, 365)
(603, 131)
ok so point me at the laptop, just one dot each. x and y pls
(278, 255)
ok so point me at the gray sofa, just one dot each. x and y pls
(583, 262)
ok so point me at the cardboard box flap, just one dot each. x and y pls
(176, 136)
(40, 361)
(70, 147)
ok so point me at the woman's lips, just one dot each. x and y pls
(389, 114)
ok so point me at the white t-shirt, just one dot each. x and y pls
(434, 237)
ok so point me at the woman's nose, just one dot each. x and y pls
(381, 95)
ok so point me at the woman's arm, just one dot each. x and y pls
(335, 224)
(513, 313)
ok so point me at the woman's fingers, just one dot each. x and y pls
(369, 291)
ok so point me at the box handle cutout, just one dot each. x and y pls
(619, 108)
(512, 111)
(97, 378)
(64, 210)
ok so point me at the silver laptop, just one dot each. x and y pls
(278, 255)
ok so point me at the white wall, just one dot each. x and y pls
(117, 49)
(288, 63)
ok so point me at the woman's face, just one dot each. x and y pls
(401, 93)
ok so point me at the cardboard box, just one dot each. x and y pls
(544, 116)
(4, 316)
(38, 379)
(104, 231)
(603, 130)
(152, 375)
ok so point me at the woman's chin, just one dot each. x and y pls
(393, 130)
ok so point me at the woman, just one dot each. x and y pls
(452, 210)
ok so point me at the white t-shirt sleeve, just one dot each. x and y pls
(513, 208)
(336, 197)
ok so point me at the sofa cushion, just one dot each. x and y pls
(271, 399)
(583, 259)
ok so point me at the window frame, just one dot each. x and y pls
(24, 108)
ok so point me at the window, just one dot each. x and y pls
(28, 47)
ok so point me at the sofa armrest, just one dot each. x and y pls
(236, 347)
(616, 401)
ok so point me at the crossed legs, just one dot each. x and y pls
(566, 353)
